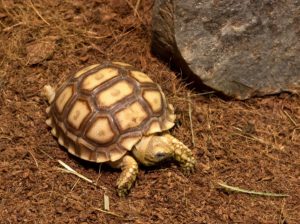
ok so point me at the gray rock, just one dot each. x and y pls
(241, 48)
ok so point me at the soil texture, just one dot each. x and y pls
(253, 144)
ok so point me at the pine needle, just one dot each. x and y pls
(68, 169)
(38, 13)
(108, 212)
(290, 118)
(35, 160)
(190, 117)
(237, 189)
(136, 7)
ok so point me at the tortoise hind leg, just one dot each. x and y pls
(129, 169)
(49, 92)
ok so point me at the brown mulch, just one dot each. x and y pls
(253, 144)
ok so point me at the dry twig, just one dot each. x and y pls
(86, 203)
(190, 116)
(260, 140)
(68, 169)
(11, 27)
(35, 160)
(237, 189)
(106, 202)
(50, 157)
(290, 118)
(76, 182)
(134, 8)
(108, 212)
(38, 13)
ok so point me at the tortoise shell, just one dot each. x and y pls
(102, 111)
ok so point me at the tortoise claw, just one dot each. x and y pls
(122, 192)
(188, 169)
(125, 181)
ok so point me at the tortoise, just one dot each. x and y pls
(114, 113)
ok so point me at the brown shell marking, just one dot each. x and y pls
(103, 111)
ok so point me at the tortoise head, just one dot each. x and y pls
(153, 149)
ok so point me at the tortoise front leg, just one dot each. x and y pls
(182, 154)
(130, 170)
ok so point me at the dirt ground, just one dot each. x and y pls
(253, 144)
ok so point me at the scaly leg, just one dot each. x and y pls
(130, 170)
(182, 154)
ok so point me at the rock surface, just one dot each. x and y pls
(241, 48)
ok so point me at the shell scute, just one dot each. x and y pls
(101, 130)
(114, 93)
(78, 113)
(85, 70)
(95, 79)
(140, 77)
(63, 98)
(131, 117)
(154, 100)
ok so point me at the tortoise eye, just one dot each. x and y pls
(160, 155)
